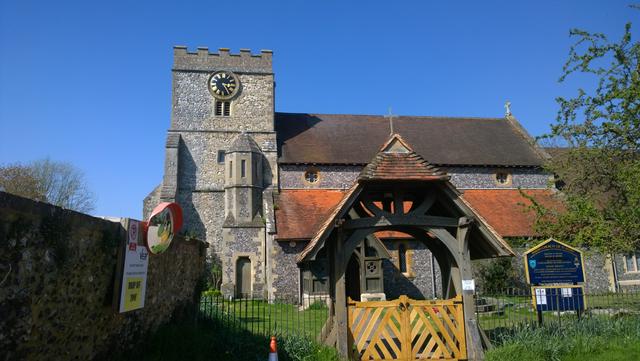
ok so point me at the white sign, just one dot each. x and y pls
(468, 285)
(566, 292)
(134, 273)
(541, 296)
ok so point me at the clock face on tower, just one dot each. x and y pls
(223, 84)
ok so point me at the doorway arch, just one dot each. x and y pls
(243, 277)
(353, 281)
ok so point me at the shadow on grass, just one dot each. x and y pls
(209, 340)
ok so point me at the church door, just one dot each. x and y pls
(352, 278)
(243, 277)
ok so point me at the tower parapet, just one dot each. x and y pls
(203, 60)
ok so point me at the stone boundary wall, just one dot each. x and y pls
(57, 271)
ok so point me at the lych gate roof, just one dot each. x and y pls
(398, 162)
(355, 139)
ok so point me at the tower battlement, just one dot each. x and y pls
(203, 60)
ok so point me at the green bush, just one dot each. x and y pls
(212, 293)
(301, 348)
(298, 348)
(318, 305)
(497, 275)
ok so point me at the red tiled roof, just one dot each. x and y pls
(300, 213)
(396, 161)
(506, 209)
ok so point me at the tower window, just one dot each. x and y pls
(223, 108)
(311, 176)
(221, 157)
(230, 169)
(243, 165)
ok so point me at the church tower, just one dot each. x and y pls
(220, 158)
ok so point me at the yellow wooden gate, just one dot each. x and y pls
(407, 330)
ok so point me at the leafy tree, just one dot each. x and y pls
(600, 166)
(18, 179)
(58, 183)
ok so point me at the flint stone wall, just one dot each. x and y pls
(343, 177)
(57, 269)
(286, 274)
(243, 242)
(418, 283)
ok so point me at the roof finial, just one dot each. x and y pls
(507, 107)
(390, 116)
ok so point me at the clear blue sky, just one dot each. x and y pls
(90, 83)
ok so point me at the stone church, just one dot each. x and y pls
(259, 185)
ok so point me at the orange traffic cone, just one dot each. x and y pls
(273, 349)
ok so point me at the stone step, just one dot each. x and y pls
(493, 313)
(486, 308)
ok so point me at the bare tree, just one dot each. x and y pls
(58, 183)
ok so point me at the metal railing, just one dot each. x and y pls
(510, 309)
(281, 317)
(499, 311)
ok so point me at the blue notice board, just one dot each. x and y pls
(554, 262)
(559, 298)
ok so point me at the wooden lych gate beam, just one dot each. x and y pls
(399, 221)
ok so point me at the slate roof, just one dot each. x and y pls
(355, 139)
(301, 213)
(244, 143)
(398, 162)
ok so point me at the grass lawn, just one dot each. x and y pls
(263, 318)
(596, 338)
(615, 351)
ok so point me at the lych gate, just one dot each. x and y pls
(400, 191)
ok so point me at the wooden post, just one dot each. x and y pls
(474, 341)
(342, 341)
